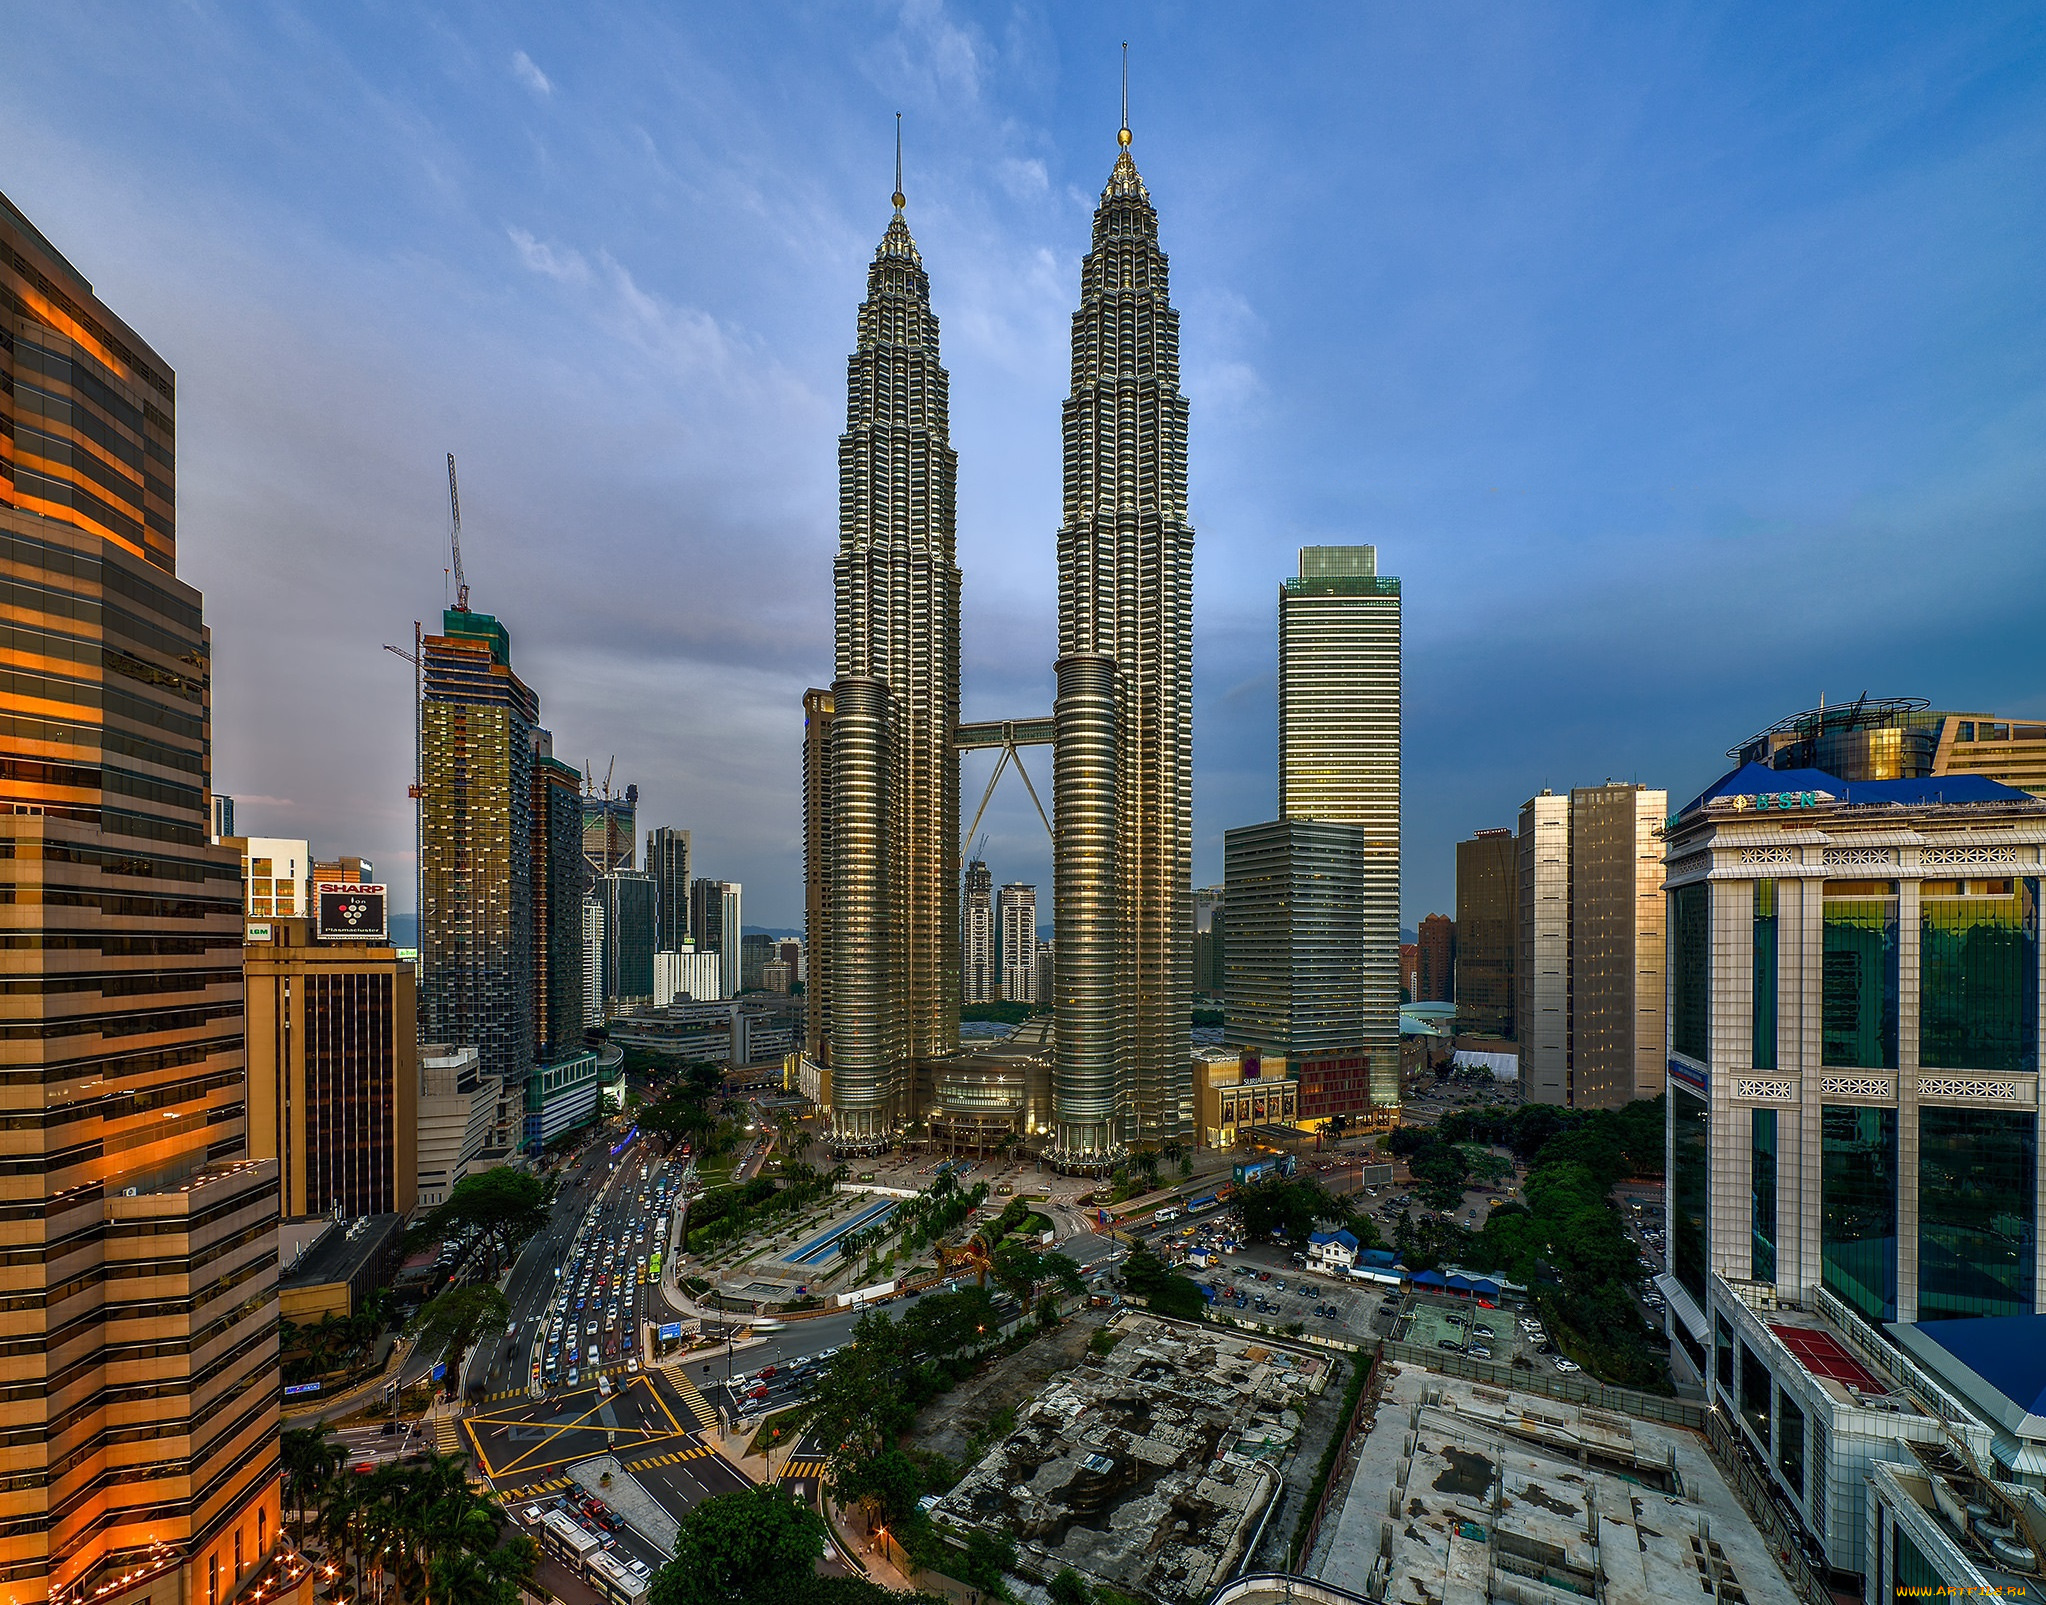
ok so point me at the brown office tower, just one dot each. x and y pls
(1437, 970)
(138, 1316)
(334, 1071)
(1590, 960)
(1487, 932)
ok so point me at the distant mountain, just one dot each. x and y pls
(404, 930)
(766, 930)
(1409, 938)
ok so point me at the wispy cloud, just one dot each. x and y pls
(567, 266)
(530, 75)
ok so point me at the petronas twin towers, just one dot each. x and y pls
(882, 745)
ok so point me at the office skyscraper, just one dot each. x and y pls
(977, 944)
(1123, 769)
(1297, 891)
(1487, 932)
(667, 860)
(477, 751)
(714, 914)
(888, 878)
(558, 1002)
(1437, 978)
(1339, 751)
(628, 896)
(1590, 960)
(139, 1234)
(1016, 931)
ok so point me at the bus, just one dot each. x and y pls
(568, 1540)
(617, 1579)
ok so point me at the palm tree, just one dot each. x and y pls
(310, 1461)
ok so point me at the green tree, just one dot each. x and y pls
(454, 1319)
(1018, 1269)
(1168, 1292)
(507, 1207)
(988, 1556)
(311, 1462)
(735, 1548)
(1068, 1587)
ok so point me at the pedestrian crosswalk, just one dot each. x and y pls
(447, 1435)
(803, 1468)
(532, 1490)
(504, 1393)
(695, 1451)
(692, 1395)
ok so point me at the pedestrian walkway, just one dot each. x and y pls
(447, 1435)
(692, 1395)
(698, 1451)
(533, 1490)
(803, 1468)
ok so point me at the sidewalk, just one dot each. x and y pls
(849, 1528)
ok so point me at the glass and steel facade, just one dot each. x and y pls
(138, 1354)
(1762, 997)
(1339, 754)
(1689, 1190)
(1858, 1208)
(1860, 1023)
(1977, 1243)
(1294, 980)
(1690, 971)
(667, 860)
(1978, 978)
(1762, 1195)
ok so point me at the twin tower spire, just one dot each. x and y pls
(881, 753)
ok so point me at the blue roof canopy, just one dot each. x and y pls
(2006, 1351)
(1759, 780)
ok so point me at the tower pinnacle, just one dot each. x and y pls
(899, 198)
(1123, 138)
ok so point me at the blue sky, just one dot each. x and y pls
(1685, 363)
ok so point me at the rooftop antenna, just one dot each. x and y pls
(898, 162)
(1123, 138)
(455, 537)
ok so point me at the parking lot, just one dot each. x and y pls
(1464, 1326)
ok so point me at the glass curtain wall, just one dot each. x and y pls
(1976, 1230)
(1765, 975)
(1762, 1187)
(1858, 1208)
(1691, 1130)
(1690, 969)
(1860, 986)
(1755, 1385)
(1978, 977)
(1790, 1441)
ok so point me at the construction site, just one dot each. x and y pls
(1150, 1469)
(1460, 1494)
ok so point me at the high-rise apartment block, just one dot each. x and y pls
(1016, 928)
(667, 861)
(1487, 932)
(1590, 958)
(979, 976)
(137, 1232)
(1339, 755)
(477, 748)
(1298, 896)
(1436, 976)
(593, 959)
(333, 1043)
(690, 975)
(1854, 1191)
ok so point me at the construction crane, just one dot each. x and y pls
(455, 537)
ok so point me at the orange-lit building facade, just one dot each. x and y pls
(139, 1440)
